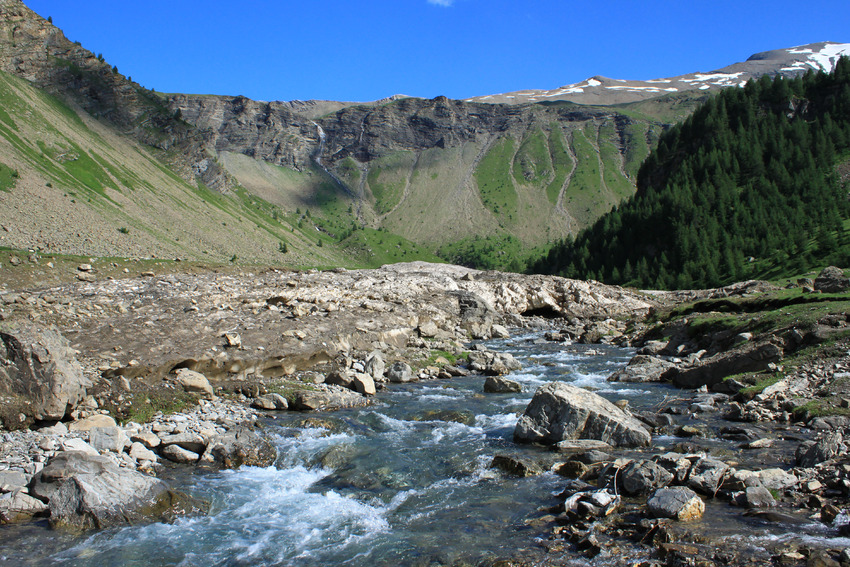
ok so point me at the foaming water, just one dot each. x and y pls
(405, 481)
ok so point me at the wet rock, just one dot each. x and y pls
(591, 504)
(707, 475)
(559, 412)
(400, 372)
(515, 466)
(777, 479)
(755, 497)
(17, 506)
(309, 400)
(642, 368)
(590, 447)
(364, 384)
(642, 477)
(747, 358)
(679, 503)
(828, 447)
(500, 332)
(89, 491)
(241, 446)
(493, 363)
(497, 385)
(375, 366)
(39, 367)
(831, 280)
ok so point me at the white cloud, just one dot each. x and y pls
(445, 3)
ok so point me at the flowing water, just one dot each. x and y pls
(405, 481)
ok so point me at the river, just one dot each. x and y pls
(404, 481)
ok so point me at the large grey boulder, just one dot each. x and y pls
(642, 368)
(749, 358)
(642, 477)
(89, 491)
(240, 446)
(832, 280)
(707, 475)
(559, 412)
(679, 503)
(39, 367)
(400, 372)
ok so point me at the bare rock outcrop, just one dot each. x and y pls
(40, 372)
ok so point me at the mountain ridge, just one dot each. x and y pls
(445, 175)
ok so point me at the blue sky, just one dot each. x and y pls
(369, 49)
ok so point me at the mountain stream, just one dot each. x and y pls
(405, 481)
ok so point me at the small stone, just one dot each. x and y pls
(107, 439)
(178, 454)
(194, 383)
(97, 420)
(77, 444)
(141, 453)
(232, 340)
(148, 439)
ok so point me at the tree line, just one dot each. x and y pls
(747, 185)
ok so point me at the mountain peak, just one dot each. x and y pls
(599, 90)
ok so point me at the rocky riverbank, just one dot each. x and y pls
(129, 376)
(760, 425)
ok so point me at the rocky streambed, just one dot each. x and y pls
(345, 417)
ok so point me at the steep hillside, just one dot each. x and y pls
(752, 184)
(475, 182)
(439, 171)
(77, 186)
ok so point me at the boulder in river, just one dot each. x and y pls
(89, 491)
(241, 446)
(497, 385)
(559, 412)
(679, 503)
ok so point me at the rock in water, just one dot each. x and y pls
(242, 446)
(560, 412)
(40, 367)
(496, 385)
(679, 503)
(89, 491)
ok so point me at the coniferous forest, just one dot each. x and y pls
(747, 186)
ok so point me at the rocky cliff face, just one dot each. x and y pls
(424, 157)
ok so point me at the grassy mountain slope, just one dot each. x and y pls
(751, 185)
(72, 184)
